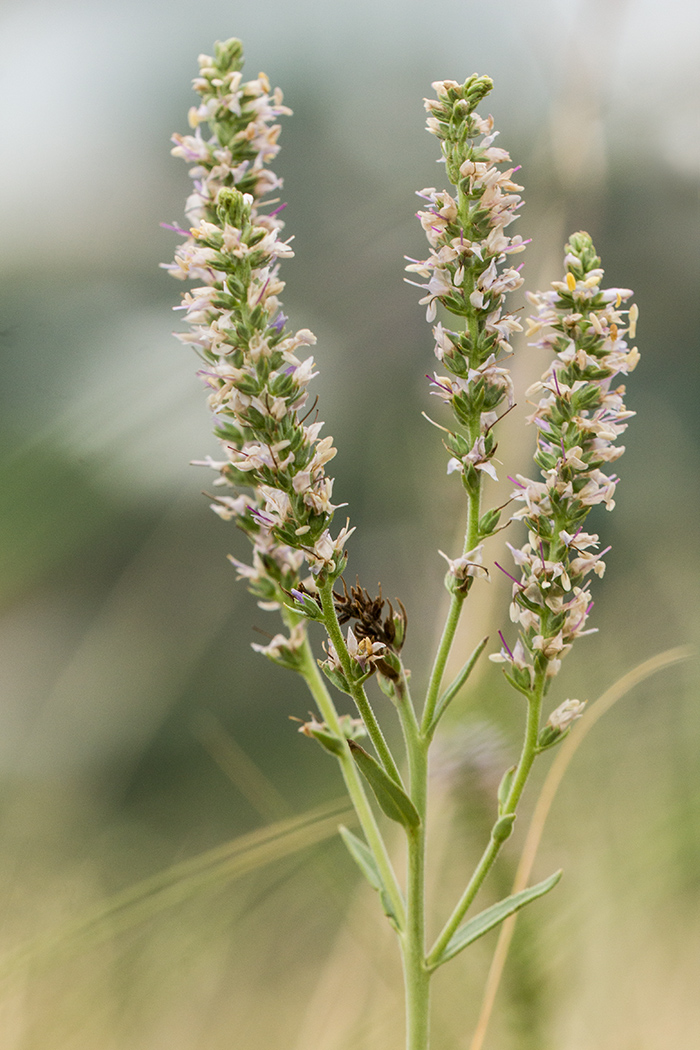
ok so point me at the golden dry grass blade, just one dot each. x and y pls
(239, 767)
(544, 803)
(179, 882)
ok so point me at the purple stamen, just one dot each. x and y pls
(517, 582)
(258, 514)
(264, 289)
(544, 563)
(176, 229)
(516, 483)
(434, 382)
(556, 382)
(505, 646)
(571, 541)
(277, 210)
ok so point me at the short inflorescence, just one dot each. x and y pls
(468, 271)
(579, 416)
(273, 457)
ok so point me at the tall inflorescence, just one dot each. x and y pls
(469, 272)
(272, 457)
(579, 415)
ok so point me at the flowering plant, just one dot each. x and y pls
(271, 478)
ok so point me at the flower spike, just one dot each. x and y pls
(254, 368)
(579, 415)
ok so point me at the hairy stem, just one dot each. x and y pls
(354, 784)
(471, 540)
(527, 757)
(416, 973)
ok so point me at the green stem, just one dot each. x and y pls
(416, 973)
(527, 757)
(448, 634)
(354, 784)
(356, 690)
(471, 539)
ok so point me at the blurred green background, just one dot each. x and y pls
(137, 728)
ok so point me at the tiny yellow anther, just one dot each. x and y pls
(570, 282)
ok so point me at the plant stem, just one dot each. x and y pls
(354, 784)
(416, 973)
(448, 634)
(471, 540)
(356, 690)
(527, 757)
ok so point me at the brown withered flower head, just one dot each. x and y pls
(368, 613)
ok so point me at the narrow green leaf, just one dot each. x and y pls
(364, 858)
(481, 924)
(452, 690)
(393, 799)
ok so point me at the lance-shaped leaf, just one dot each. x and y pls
(451, 692)
(364, 858)
(391, 797)
(487, 920)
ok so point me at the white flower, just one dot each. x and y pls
(565, 714)
(469, 564)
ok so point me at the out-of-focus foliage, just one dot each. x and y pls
(137, 728)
